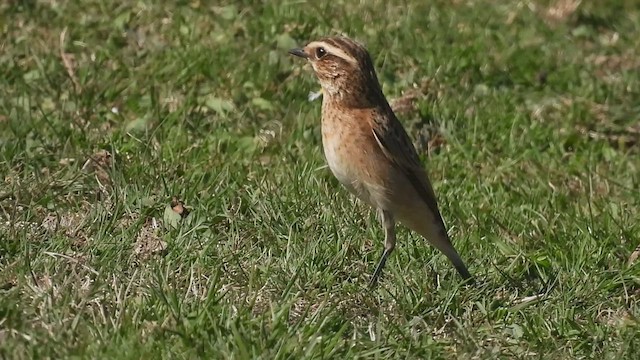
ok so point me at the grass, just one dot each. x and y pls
(109, 109)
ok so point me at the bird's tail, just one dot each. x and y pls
(436, 234)
(446, 247)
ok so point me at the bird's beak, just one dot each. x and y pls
(299, 53)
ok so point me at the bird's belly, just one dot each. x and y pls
(348, 170)
(342, 172)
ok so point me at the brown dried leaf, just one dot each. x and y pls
(100, 162)
(615, 62)
(407, 103)
(178, 207)
(436, 142)
(634, 256)
(101, 158)
(561, 10)
(617, 139)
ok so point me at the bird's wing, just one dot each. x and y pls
(397, 147)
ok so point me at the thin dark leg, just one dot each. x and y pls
(376, 274)
(389, 244)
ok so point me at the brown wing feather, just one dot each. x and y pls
(397, 147)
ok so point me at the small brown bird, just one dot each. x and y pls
(369, 151)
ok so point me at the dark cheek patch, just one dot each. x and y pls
(331, 66)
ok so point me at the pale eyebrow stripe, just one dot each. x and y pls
(334, 50)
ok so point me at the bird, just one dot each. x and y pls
(368, 150)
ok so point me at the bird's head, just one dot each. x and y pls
(343, 68)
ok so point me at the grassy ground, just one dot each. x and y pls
(527, 113)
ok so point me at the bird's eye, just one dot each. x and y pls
(320, 52)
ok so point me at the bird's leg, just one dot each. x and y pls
(388, 223)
